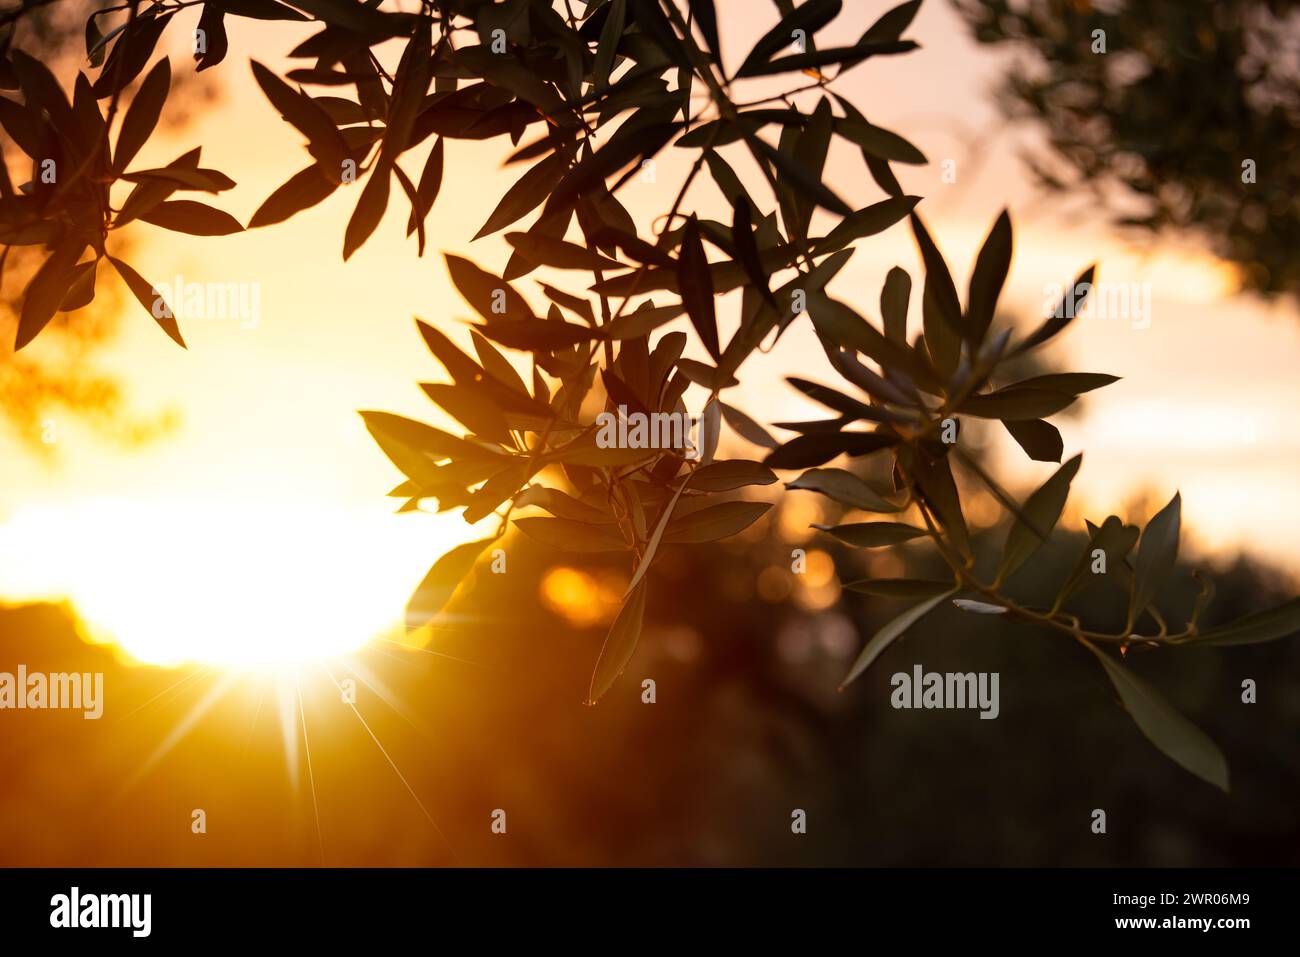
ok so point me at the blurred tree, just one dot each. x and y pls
(1182, 116)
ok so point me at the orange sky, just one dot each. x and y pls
(269, 414)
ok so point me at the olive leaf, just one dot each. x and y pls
(1157, 552)
(620, 643)
(1164, 727)
(891, 631)
(1042, 510)
(845, 488)
(1279, 622)
(873, 534)
(442, 581)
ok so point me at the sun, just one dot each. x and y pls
(227, 583)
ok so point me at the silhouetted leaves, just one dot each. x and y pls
(1014, 403)
(619, 645)
(1164, 727)
(913, 588)
(886, 635)
(441, 582)
(1072, 302)
(819, 448)
(1043, 510)
(873, 534)
(1157, 552)
(369, 211)
(147, 297)
(731, 474)
(1279, 622)
(304, 189)
(987, 279)
(324, 141)
(807, 17)
(696, 285)
(715, 522)
(47, 288)
(588, 120)
(188, 216)
(1114, 540)
(845, 488)
(142, 115)
(491, 297)
(1040, 440)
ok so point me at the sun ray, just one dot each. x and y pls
(171, 687)
(430, 651)
(381, 690)
(392, 764)
(288, 731)
(311, 776)
(182, 728)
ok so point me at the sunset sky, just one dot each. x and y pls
(266, 508)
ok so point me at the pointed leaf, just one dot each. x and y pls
(1157, 552)
(188, 216)
(1040, 440)
(715, 522)
(1042, 509)
(808, 17)
(696, 285)
(886, 635)
(620, 643)
(147, 297)
(1065, 312)
(873, 534)
(48, 286)
(986, 281)
(900, 587)
(1014, 403)
(441, 582)
(747, 428)
(369, 211)
(304, 189)
(845, 488)
(1114, 539)
(1279, 622)
(730, 474)
(1164, 727)
(142, 115)
(819, 448)
(570, 536)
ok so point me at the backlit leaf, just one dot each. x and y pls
(900, 587)
(441, 582)
(620, 643)
(1043, 510)
(845, 488)
(1164, 727)
(1279, 622)
(886, 635)
(1157, 552)
(819, 448)
(715, 522)
(873, 534)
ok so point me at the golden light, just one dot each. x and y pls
(580, 597)
(232, 583)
